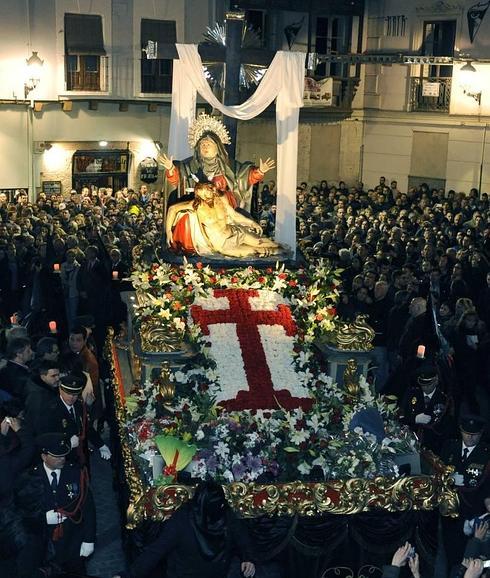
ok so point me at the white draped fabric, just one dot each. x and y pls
(283, 81)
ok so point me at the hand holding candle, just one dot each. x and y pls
(56, 267)
(52, 326)
(115, 275)
(421, 352)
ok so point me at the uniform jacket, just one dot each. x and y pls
(55, 417)
(475, 471)
(74, 531)
(432, 434)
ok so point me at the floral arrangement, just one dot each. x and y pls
(310, 438)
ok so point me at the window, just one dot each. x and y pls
(256, 21)
(438, 40)
(85, 60)
(156, 72)
(331, 38)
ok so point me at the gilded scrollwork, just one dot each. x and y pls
(345, 497)
(160, 337)
(355, 336)
(136, 511)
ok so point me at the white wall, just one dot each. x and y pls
(14, 151)
(388, 148)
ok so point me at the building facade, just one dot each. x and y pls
(392, 95)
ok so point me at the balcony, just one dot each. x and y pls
(430, 94)
(333, 92)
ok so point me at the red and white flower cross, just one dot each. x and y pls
(252, 335)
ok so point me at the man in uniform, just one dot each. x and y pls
(470, 457)
(425, 409)
(65, 509)
(67, 414)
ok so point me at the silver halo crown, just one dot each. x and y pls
(206, 123)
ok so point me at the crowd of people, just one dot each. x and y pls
(416, 264)
(63, 262)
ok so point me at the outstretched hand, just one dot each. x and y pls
(401, 555)
(267, 165)
(167, 162)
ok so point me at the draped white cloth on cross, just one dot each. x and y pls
(283, 81)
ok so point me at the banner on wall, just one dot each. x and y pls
(475, 34)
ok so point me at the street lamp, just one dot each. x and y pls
(469, 81)
(34, 67)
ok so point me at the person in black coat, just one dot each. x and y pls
(14, 375)
(41, 388)
(68, 415)
(198, 541)
(16, 448)
(94, 285)
(63, 525)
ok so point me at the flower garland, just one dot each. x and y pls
(273, 444)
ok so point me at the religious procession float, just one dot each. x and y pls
(241, 371)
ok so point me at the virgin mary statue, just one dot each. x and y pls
(210, 163)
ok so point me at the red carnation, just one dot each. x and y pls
(212, 280)
(150, 277)
(199, 265)
(332, 311)
(269, 270)
(293, 283)
(282, 276)
(234, 279)
(174, 278)
(261, 279)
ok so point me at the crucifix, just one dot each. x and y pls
(233, 55)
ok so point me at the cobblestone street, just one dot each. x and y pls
(108, 558)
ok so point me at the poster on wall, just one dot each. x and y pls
(51, 187)
(148, 170)
(431, 88)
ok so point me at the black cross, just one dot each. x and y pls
(232, 55)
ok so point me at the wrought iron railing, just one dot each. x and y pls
(430, 94)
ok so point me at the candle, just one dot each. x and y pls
(13, 320)
(421, 351)
(115, 275)
(52, 326)
(56, 267)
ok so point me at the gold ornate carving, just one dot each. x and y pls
(356, 336)
(136, 511)
(351, 380)
(166, 388)
(334, 497)
(160, 338)
(167, 499)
